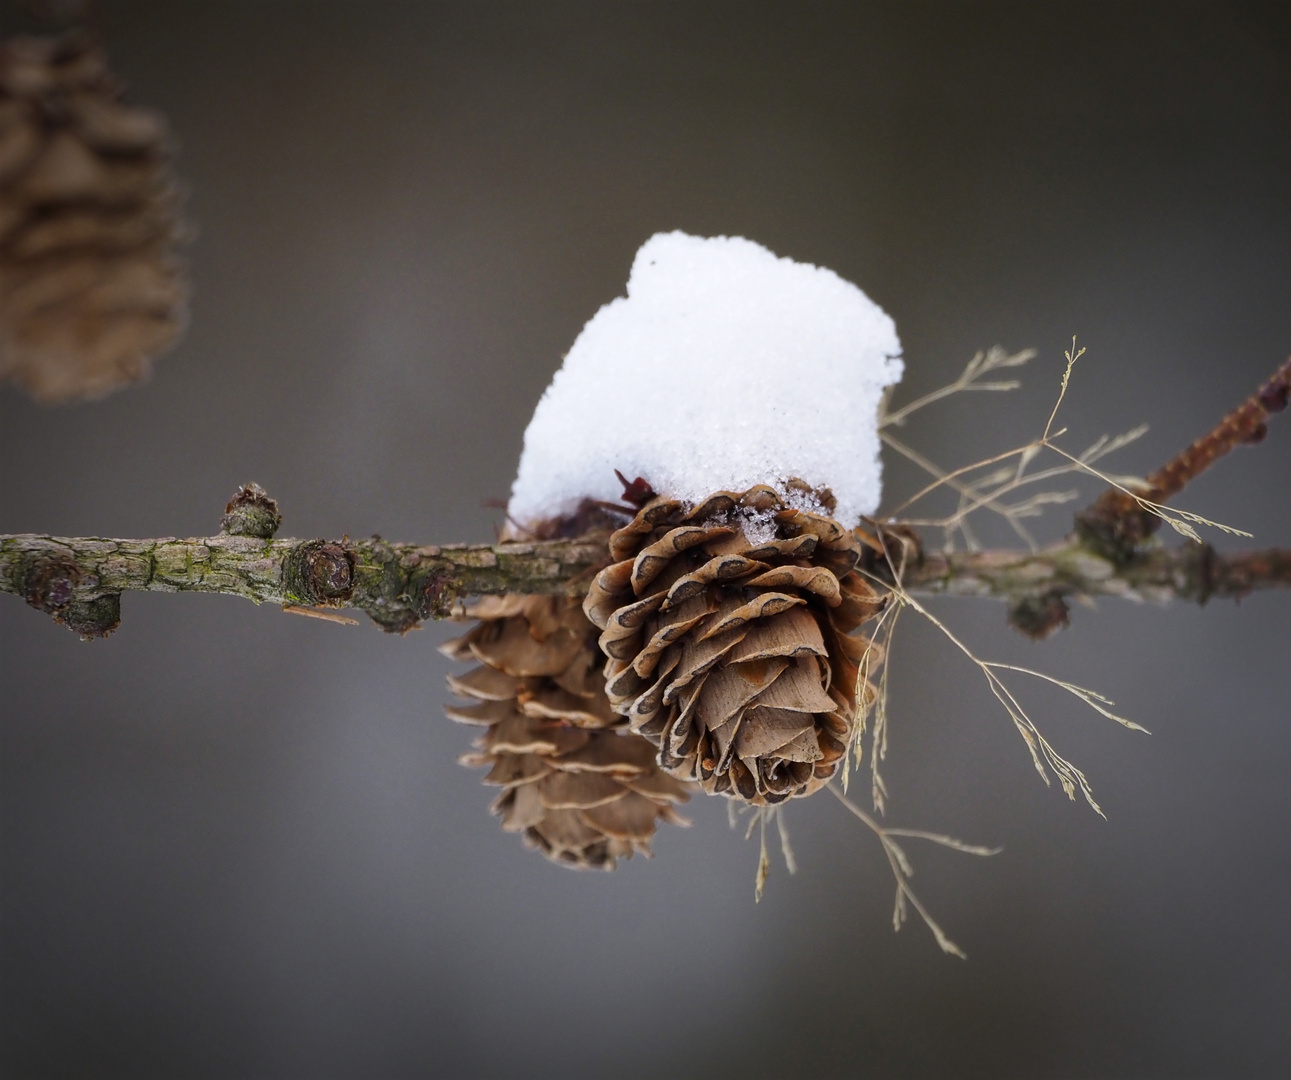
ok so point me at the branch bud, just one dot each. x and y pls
(251, 512)
(1040, 616)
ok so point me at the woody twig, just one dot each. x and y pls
(79, 580)
(1119, 522)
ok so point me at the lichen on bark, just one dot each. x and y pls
(79, 580)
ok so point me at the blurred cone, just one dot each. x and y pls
(578, 788)
(89, 289)
(729, 631)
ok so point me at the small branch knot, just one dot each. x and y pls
(321, 572)
(251, 512)
(1039, 616)
(432, 594)
(1114, 526)
(50, 585)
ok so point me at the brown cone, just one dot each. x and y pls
(89, 289)
(580, 789)
(735, 656)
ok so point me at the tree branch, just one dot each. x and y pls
(1118, 523)
(79, 580)
(1195, 573)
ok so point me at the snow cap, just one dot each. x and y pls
(724, 367)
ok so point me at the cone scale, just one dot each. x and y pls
(576, 784)
(725, 621)
(732, 648)
(90, 290)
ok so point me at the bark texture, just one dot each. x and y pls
(79, 580)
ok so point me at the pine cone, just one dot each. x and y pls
(89, 290)
(728, 629)
(580, 789)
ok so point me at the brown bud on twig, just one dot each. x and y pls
(889, 550)
(251, 512)
(1039, 616)
(1117, 523)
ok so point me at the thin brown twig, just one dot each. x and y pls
(1117, 522)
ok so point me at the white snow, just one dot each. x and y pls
(724, 367)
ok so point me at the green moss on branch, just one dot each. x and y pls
(79, 580)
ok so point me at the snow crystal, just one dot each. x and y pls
(724, 367)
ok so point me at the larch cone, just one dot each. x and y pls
(729, 629)
(90, 289)
(576, 784)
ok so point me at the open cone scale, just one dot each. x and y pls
(717, 652)
(575, 783)
(729, 631)
(90, 290)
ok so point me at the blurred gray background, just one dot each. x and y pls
(237, 844)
